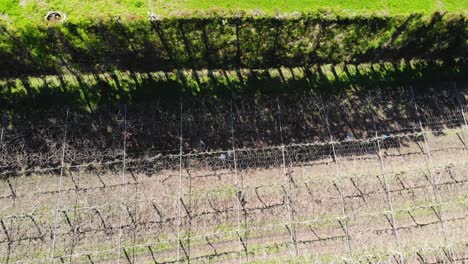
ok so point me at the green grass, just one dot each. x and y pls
(33, 11)
(48, 92)
(392, 6)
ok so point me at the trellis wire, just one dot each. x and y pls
(102, 188)
(460, 103)
(292, 231)
(317, 219)
(179, 191)
(435, 179)
(267, 227)
(60, 185)
(123, 188)
(338, 173)
(239, 185)
(251, 159)
(339, 218)
(272, 186)
(366, 258)
(387, 189)
(245, 150)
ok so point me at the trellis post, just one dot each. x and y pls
(238, 184)
(124, 182)
(382, 169)
(289, 201)
(430, 166)
(57, 204)
(339, 176)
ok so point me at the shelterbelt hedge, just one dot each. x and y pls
(228, 41)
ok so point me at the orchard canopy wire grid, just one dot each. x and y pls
(275, 181)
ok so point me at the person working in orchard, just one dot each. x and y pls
(202, 146)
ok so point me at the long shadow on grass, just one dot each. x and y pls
(264, 107)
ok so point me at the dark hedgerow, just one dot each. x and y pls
(229, 42)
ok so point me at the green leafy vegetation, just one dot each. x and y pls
(228, 42)
(111, 52)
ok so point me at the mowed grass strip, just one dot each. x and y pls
(272, 6)
(27, 11)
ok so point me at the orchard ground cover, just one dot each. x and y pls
(33, 11)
